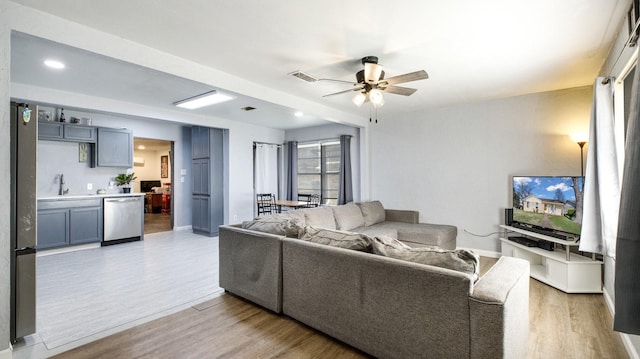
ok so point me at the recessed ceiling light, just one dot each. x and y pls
(299, 114)
(54, 64)
(141, 147)
(206, 99)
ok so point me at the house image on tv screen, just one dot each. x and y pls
(549, 206)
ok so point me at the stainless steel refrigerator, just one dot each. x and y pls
(24, 142)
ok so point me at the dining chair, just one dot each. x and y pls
(266, 203)
(305, 197)
(315, 200)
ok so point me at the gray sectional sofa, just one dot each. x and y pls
(387, 307)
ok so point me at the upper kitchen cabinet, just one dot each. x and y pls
(114, 147)
(200, 142)
(57, 131)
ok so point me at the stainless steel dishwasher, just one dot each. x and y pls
(123, 219)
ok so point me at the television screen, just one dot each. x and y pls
(548, 202)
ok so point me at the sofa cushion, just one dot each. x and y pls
(390, 242)
(321, 217)
(335, 238)
(372, 212)
(377, 230)
(282, 227)
(348, 216)
(461, 260)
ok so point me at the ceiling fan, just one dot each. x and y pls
(370, 83)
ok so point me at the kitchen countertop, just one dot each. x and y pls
(87, 196)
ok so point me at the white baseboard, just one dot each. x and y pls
(183, 228)
(626, 340)
(6, 354)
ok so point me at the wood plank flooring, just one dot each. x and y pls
(561, 326)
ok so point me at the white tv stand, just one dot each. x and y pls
(569, 272)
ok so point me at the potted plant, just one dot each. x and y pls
(124, 180)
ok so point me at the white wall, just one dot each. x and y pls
(455, 164)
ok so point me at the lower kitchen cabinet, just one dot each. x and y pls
(69, 222)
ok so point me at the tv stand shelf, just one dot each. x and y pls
(569, 272)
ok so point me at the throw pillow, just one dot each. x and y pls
(460, 260)
(320, 217)
(284, 227)
(348, 216)
(342, 239)
(372, 212)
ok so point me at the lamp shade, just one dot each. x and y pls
(579, 137)
(376, 98)
(359, 99)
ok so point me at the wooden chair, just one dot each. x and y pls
(266, 203)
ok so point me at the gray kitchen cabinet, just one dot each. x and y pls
(200, 210)
(114, 147)
(208, 179)
(57, 131)
(200, 173)
(85, 225)
(80, 133)
(53, 227)
(69, 222)
(200, 142)
(50, 131)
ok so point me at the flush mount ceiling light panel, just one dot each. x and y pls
(54, 64)
(205, 99)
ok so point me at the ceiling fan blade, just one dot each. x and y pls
(411, 76)
(397, 90)
(372, 72)
(358, 88)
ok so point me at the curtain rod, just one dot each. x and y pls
(632, 41)
(266, 143)
(319, 139)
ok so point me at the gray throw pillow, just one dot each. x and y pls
(348, 216)
(335, 238)
(460, 260)
(372, 212)
(283, 227)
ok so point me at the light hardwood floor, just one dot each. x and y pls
(561, 326)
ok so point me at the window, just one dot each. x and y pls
(319, 169)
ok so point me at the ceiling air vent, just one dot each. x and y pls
(248, 108)
(302, 76)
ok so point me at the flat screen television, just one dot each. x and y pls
(548, 204)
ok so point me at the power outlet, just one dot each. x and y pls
(89, 186)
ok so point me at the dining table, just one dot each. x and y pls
(291, 204)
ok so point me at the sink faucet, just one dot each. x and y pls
(62, 191)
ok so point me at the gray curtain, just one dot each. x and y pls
(292, 171)
(627, 282)
(345, 188)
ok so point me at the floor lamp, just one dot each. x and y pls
(581, 140)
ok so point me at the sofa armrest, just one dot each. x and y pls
(251, 265)
(398, 215)
(499, 311)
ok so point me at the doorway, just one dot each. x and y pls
(153, 166)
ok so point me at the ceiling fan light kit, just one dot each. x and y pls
(370, 83)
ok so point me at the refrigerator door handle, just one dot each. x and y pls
(26, 250)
